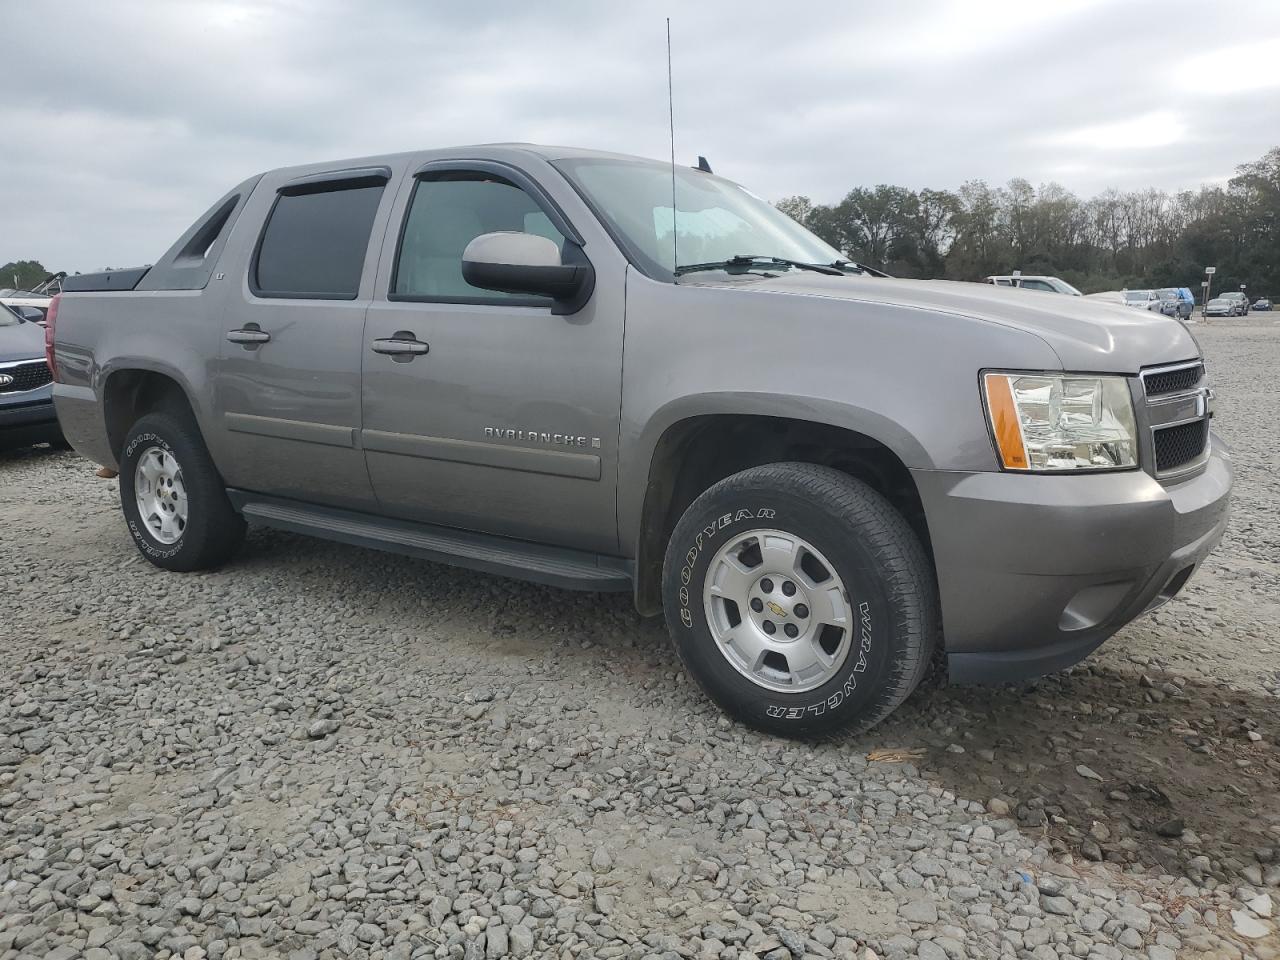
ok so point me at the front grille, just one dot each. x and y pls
(1180, 445)
(1176, 380)
(26, 376)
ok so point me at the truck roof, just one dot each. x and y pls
(545, 151)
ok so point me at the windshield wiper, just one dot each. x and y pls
(747, 261)
(844, 266)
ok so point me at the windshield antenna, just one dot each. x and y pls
(671, 119)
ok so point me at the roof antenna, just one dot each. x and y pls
(671, 118)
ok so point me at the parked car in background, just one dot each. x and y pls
(25, 303)
(1241, 302)
(26, 385)
(1145, 299)
(1221, 307)
(1141, 299)
(1174, 303)
(1185, 294)
(33, 304)
(1047, 284)
(1262, 303)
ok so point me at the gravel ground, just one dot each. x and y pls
(324, 752)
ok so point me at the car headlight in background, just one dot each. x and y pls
(1056, 422)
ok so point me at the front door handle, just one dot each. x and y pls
(401, 345)
(250, 335)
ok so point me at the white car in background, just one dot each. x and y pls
(1047, 284)
(1141, 299)
(26, 304)
(33, 304)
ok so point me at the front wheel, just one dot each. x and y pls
(173, 498)
(800, 599)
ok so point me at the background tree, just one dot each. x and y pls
(22, 274)
(1139, 238)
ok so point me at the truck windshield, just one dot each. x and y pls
(716, 220)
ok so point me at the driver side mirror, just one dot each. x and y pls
(513, 262)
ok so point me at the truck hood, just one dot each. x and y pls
(1087, 335)
(20, 341)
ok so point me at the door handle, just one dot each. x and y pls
(249, 335)
(402, 346)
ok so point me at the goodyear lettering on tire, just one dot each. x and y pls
(707, 534)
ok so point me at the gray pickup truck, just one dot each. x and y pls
(528, 361)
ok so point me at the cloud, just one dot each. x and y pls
(1234, 69)
(1151, 131)
(136, 115)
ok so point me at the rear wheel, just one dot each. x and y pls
(800, 600)
(173, 498)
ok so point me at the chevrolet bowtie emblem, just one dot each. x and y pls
(776, 609)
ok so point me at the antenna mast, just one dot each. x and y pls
(671, 119)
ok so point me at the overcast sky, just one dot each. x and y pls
(125, 120)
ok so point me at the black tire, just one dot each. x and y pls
(888, 579)
(213, 529)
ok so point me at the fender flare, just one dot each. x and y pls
(831, 413)
(643, 501)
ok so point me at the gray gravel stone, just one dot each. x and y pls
(520, 941)
(1059, 906)
(920, 910)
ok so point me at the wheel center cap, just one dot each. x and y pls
(779, 608)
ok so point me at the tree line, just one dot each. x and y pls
(22, 274)
(1115, 240)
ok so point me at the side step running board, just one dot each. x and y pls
(555, 566)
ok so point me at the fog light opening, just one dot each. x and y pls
(1177, 582)
(1092, 605)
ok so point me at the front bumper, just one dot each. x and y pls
(32, 421)
(1035, 571)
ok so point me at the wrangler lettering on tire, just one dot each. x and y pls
(800, 600)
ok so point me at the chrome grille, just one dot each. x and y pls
(1177, 446)
(25, 375)
(1178, 410)
(1175, 379)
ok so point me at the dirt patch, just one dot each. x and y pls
(1146, 768)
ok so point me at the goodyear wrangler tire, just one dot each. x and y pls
(800, 600)
(173, 498)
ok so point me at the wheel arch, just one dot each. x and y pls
(131, 390)
(691, 451)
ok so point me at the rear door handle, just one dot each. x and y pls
(402, 346)
(249, 335)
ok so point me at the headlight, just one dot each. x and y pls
(1052, 422)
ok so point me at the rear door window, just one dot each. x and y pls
(314, 243)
